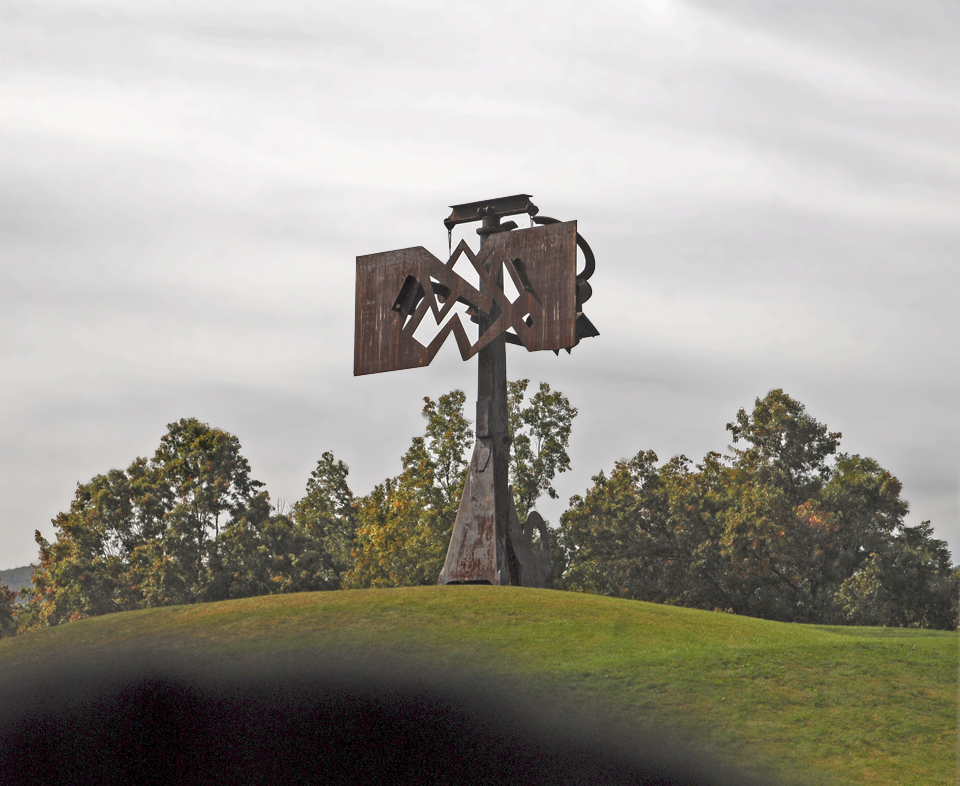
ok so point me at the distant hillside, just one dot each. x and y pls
(15, 578)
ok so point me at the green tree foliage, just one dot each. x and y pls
(404, 524)
(784, 447)
(448, 438)
(785, 528)
(540, 431)
(8, 613)
(187, 525)
(907, 582)
(204, 484)
(327, 513)
(614, 535)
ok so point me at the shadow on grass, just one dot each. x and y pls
(304, 720)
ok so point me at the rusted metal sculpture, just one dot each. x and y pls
(398, 290)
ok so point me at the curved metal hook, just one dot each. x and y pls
(590, 262)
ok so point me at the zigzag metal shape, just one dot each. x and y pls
(397, 289)
(512, 315)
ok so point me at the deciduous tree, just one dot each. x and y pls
(327, 515)
(148, 535)
(784, 528)
(540, 431)
(404, 524)
(8, 616)
(615, 537)
(907, 582)
(204, 482)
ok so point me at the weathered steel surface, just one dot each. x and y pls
(496, 208)
(473, 555)
(396, 290)
(479, 551)
(543, 265)
(534, 565)
(378, 343)
(383, 338)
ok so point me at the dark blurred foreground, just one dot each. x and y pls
(113, 722)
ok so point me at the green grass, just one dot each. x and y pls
(818, 704)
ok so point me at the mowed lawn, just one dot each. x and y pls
(818, 704)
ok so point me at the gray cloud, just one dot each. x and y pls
(770, 190)
(916, 38)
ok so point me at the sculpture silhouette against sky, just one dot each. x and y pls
(528, 293)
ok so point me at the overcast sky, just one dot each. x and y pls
(770, 189)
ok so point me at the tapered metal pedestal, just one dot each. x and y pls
(479, 551)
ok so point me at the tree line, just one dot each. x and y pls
(786, 527)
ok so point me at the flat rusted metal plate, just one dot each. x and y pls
(548, 257)
(378, 343)
(396, 290)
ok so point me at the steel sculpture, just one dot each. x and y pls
(398, 290)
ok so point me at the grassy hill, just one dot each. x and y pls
(816, 704)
